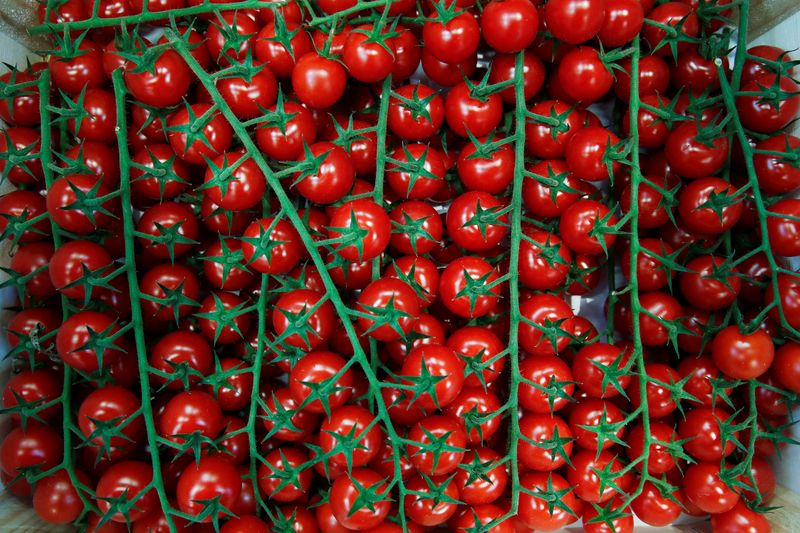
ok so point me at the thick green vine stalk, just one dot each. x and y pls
(120, 92)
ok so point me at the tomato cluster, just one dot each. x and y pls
(331, 267)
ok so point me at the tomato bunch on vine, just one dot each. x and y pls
(371, 265)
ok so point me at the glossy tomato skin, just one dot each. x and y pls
(453, 41)
(553, 315)
(100, 118)
(361, 214)
(509, 26)
(71, 75)
(127, 479)
(317, 81)
(466, 112)
(741, 519)
(317, 367)
(77, 331)
(692, 157)
(742, 356)
(534, 509)
(583, 75)
(477, 346)
(701, 286)
(36, 446)
(405, 122)
(368, 61)
(578, 227)
(704, 220)
(622, 21)
(775, 174)
(427, 511)
(787, 366)
(705, 489)
(165, 85)
(475, 221)
(427, 432)
(759, 115)
(358, 422)
(247, 96)
(454, 279)
(587, 154)
(573, 21)
(275, 55)
(26, 141)
(112, 406)
(215, 128)
(56, 500)
(440, 361)
(552, 188)
(345, 492)
(211, 477)
(419, 171)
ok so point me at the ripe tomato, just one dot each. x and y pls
(705, 489)
(480, 350)
(468, 287)
(368, 58)
(536, 507)
(112, 407)
(346, 499)
(477, 221)
(583, 75)
(474, 407)
(283, 418)
(416, 171)
(196, 132)
(85, 70)
(190, 412)
(36, 446)
(80, 334)
(319, 368)
(574, 22)
(587, 227)
(56, 500)
(364, 228)
(163, 85)
(655, 508)
(317, 81)
(763, 115)
(509, 26)
(452, 40)
(423, 507)
(443, 432)
(439, 361)
(481, 478)
(691, 154)
(659, 398)
(786, 367)
(468, 111)
(660, 459)
(352, 428)
(271, 246)
(415, 113)
(742, 356)
(17, 209)
(676, 14)
(210, 478)
(129, 480)
(552, 384)
(704, 288)
(280, 60)
(24, 168)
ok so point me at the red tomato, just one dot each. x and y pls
(742, 356)
(574, 21)
(509, 26)
(127, 480)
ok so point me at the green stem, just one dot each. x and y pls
(135, 294)
(515, 317)
(635, 250)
